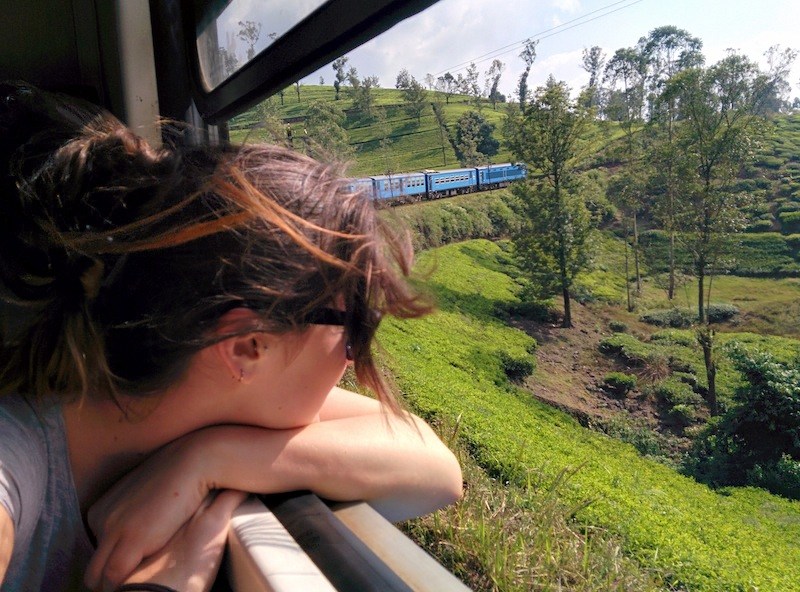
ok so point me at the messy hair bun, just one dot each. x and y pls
(117, 260)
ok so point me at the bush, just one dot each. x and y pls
(760, 226)
(748, 445)
(781, 477)
(516, 368)
(676, 318)
(675, 391)
(618, 326)
(619, 383)
(683, 415)
(680, 318)
(790, 221)
(718, 313)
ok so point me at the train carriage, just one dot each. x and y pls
(500, 175)
(402, 187)
(442, 183)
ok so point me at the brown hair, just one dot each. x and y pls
(118, 260)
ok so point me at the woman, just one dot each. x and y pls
(175, 324)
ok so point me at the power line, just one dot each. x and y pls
(542, 34)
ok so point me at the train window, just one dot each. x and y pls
(229, 36)
(307, 35)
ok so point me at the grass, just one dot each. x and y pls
(769, 306)
(501, 536)
(449, 366)
(414, 145)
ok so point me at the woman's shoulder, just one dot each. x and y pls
(20, 416)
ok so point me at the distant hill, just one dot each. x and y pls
(773, 178)
(413, 145)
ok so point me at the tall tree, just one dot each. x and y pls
(361, 92)
(779, 62)
(444, 133)
(403, 79)
(628, 68)
(493, 75)
(326, 137)
(471, 85)
(339, 65)
(415, 97)
(722, 114)
(668, 50)
(447, 84)
(250, 32)
(271, 123)
(528, 55)
(552, 245)
(474, 142)
(385, 141)
(593, 61)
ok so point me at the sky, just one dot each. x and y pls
(452, 33)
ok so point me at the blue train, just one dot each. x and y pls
(410, 187)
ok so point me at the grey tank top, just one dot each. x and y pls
(51, 547)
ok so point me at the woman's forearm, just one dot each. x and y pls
(398, 465)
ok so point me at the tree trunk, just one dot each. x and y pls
(705, 336)
(627, 272)
(636, 255)
(671, 289)
(567, 310)
(701, 313)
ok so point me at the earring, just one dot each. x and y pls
(241, 374)
(348, 351)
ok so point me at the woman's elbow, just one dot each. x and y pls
(452, 482)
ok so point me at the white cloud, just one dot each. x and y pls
(571, 6)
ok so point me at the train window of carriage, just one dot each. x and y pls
(241, 51)
(230, 34)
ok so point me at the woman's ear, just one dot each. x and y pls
(240, 354)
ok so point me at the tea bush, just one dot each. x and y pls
(701, 540)
(619, 383)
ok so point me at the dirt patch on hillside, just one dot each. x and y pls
(570, 368)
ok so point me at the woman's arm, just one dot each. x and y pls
(190, 560)
(396, 463)
(6, 542)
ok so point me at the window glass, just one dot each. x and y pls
(239, 30)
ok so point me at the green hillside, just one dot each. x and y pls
(694, 538)
(414, 145)
(772, 179)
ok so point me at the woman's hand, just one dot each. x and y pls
(144, 510)
(190, 560)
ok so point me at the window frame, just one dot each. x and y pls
(332, 30)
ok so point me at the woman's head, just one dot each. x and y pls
(125, 258)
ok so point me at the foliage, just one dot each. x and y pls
(361, 92)
(756, 255)
(695, 538)
(436, 223)
(680, 317)
(474, 143)
(505, 537)
(414, 95)
(618, 326)
(677, 317)
(516, 368)
(619, 383)
(759, 429)
(721, 107)
(552, 245)
(327, 138)
(720, 312)
(676, 390)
